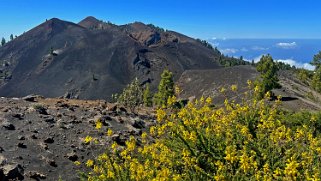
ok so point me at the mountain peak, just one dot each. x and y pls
(91, 18)
(89, 22)
(56, 20)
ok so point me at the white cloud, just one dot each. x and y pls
(308, 66)
(256, 59)
(287, 61)
(259, 48)
(296, 64)
(214, 38)
(229, 51)
(286, 45)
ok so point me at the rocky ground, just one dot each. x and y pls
(40, 139)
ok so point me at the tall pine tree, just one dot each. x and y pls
(269, 79)
(316, 80)
(147, 97)
(316, 60)
(3, 41)
(165, 88)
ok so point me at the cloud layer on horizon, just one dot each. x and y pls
(297, 64)
(287, 61)
(259, 48)
(229, 50)
(286, 51)
(286, 45)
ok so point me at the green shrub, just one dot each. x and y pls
(132, 95)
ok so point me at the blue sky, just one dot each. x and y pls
(202, 19)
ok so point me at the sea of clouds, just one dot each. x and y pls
(296, 53)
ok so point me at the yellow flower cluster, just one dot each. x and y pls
(99, 124)
(88, 139)
(250, 141)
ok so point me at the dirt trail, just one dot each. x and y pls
(299, 95)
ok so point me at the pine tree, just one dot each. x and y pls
(147, 97)
(132, 95)
(3, 41)
(252, 63)
(165, 88)
(316, 60)
(268, 69)
(11, 37)
(316, 80)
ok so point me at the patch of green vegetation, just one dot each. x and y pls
(165, 89)
(304, 75)
(157, 28)
(316, 80)
(284, 66)
(147, 97)
(38, 106)
(135, 94)
(316, 61)
(132, 95)
(269, 79)
(231, 61)
(312, 78)
(5, 75)
(3, 41)
(205, 43)
(310, 96)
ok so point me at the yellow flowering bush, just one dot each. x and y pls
(252, 140)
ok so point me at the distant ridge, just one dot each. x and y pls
(94, 59)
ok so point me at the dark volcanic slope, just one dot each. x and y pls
(93, 59)
(209, 82)
(296, 96)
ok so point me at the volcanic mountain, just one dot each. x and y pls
(94, 59)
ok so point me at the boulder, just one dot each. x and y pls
(72, 156)
(21, 145)
(3, 160)
(20, 137)
(49, 140)
(30, 98)
(11, 171)
(36, 175)
(139, 124)
(7, 125)
(119, 139)
(18, 116)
